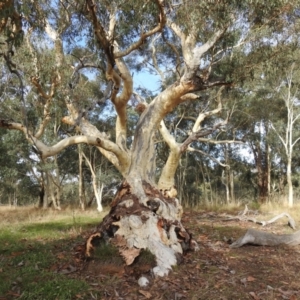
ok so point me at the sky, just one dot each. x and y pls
(146, 80)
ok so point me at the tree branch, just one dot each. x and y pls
(120, 103)
(47, 151)
(100, 33)
(190, 149)
(203, 116)
(155, 64)
(168, 138)
(201, 133)
(166, 180)
(144, 36)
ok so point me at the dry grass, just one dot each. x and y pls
(270, 208)
(281, 207)
(30, 214)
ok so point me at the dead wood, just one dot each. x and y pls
(243, 217)
(261, 238)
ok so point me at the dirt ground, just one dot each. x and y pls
(214, 272)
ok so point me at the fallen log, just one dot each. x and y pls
(243, 217)
(262, 238)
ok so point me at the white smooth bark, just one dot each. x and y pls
(290, 99)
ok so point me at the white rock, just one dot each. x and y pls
(143, 281)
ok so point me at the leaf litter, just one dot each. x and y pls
(213, 272)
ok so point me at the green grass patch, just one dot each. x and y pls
(107, 253)
(146, 257)
(35, 252)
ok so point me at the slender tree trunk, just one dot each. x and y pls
(231, 183)
(97, 187)
(289, 182)
(57, 184)
(98, 194)
(226, 174)
(46, 201)
(42, 190)
(181, 182)
(204, 183)
(54, 190)
(268, 169)
(15, 199)
(225, 182)
(81, 192)
(260, 157)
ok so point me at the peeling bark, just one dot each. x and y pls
(156, 226)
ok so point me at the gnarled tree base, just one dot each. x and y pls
(132, 226)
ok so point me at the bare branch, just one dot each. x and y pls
(47, 151)
(200, 133)
(189, 96)
(176, 29)
(167, 176)
(203, 116)
(190, 149)
(167, 136)
(174, 49)
(217, 142)
(155, 64)
(280, 137)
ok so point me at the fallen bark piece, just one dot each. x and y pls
(261, 238)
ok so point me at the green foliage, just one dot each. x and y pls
(108, 253)
(259, 43)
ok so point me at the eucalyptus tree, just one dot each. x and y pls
(252, 123)
(287, 91)
(271, 130)
(194, 46)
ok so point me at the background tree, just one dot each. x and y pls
(289, 93)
